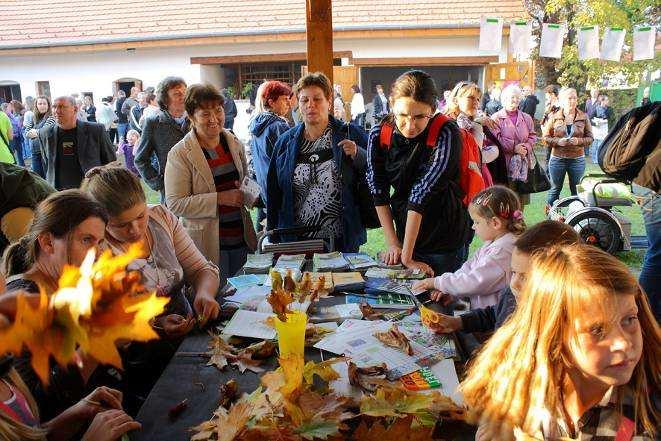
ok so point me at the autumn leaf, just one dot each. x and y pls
(279, 301)
(323, 369)
(276, 280)
(289, 285)
(292, 366)
(261, 350)
(400, 430)
(394, 402)
(229, 426)
(369, 313)
(314, 333)
(219, 352)
(394, 338)
(367, 378)
(317, 429)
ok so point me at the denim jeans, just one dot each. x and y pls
(122, 128)
(444, 262)
(594, 150)
(16, 147)
(650, 274)
(231, 261)
(558, 167)
(37, 163)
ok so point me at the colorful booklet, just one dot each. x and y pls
(348, 281)
(335, 313)
(387, 286)
(386, 273)
(292, 261)
(246, 280)
(386, 301)
(360, 261)
(334, 261)
(258, 263)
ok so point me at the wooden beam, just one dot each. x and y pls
(262, 58)
(426, 61)
(319, 34)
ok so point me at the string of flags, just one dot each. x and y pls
(553, 35)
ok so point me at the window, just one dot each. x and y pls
(43, 88)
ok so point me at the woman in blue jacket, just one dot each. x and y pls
(314, 169)
(265, 128)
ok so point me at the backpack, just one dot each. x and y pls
(471, 181)
(631, 149)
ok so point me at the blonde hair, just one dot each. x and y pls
(514, 383)
(461, 89)
(12, 430)
(503, 203)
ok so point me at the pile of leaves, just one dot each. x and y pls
(96, 306)
(281, 409)
(222, 353)
(285, 291)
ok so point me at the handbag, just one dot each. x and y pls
(537, 180)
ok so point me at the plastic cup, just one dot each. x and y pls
(291, 334)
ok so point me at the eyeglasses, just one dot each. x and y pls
(401, 118)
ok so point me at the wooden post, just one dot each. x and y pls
(319, 32)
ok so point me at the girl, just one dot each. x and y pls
(42, 117)
(128, 148)
(580, 357)
(425, 181)
(497, 220)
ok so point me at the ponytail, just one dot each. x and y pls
(19, 256)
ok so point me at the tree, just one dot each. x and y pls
(568, 70)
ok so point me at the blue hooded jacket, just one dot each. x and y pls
(265, 129)
(280, 208)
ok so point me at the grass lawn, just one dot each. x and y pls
(533, 213)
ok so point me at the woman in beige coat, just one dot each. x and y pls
(202, 179)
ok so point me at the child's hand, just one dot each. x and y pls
(423, 285)
(446, 324)
(444, 298)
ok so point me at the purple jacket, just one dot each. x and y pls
(510, 135)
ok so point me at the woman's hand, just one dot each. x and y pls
(573, 141)
(350, 148)
(521, 149)
(423, 285)
(562, 142)
(231, 198)
(32, 133)
(392, 255)
(442, 297)
(414, 264)
(488, 122)
(175, 325)
(110, 425)
(206, 306)
(102, 398)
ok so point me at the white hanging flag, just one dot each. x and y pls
(588, 43)
(491, 34)
(644, 39)
(520, 35)
(611, 45)
(551, 44)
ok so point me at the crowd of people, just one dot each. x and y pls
(576, 349)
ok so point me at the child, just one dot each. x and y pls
(580, 358)
(497, 220)
(127, 149)
(535, 239)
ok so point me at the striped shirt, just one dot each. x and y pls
(225, 174)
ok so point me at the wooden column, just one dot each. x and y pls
(319, 32)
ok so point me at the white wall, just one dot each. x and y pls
(95, 72)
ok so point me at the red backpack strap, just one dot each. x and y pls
(435, 126)
(385, 136)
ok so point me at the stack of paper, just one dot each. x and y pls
(258, 263)
(335, 313)
(254, 293)
(247, 280)
(250, 324)
(290, 261)
(329, 262)
(387, 273)
(360, 261)
(348, 281)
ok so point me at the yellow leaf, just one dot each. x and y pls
(323, 369)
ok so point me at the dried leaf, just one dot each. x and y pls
(289, 285)
(219, 352)
(394, 338)
(394, 402)
(276, 280)
(400, 430)
(231, 425)
(323, 369)
(304, 287)
(318, 429)
(279, 301)
(292, 366)
(367, 378)
(314, 333)
(229, 392)
(261, 350)
(369, 313)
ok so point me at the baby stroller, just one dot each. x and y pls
(592, 214)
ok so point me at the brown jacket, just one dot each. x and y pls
(555, 128)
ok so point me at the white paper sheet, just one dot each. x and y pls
(553, 35)
(644, 39)
(242, 295)
(250, 324)
(611, 45)
(588, 43)
(251, 191)
(491, 34)
(520, 36)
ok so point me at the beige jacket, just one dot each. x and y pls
(191, 193)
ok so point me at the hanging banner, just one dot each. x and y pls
(588, 43)
(611, 45)
(644, 39)
(550, 45)
(491, 34)
(520, 36)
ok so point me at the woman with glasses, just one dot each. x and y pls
(416, 187)
(203, 176)
(314, 171)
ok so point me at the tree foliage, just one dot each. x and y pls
(568, 70)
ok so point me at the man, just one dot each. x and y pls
(602, 119)
(135, 113)
(230, 109)
(592, 103)
(160, 132)
(72, 146)
(529, 103)
(122, 119)
(380, 104)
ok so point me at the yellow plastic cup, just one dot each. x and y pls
(291, 334)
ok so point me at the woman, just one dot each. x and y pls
(567, 131)
(43, 117)
(516, 133)
(202, 178)
(314, 170)
(266, 127)
(15, 113)
(89, 108)
(463, 105)
(170, 262)
(357, 107)
(430, 227)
